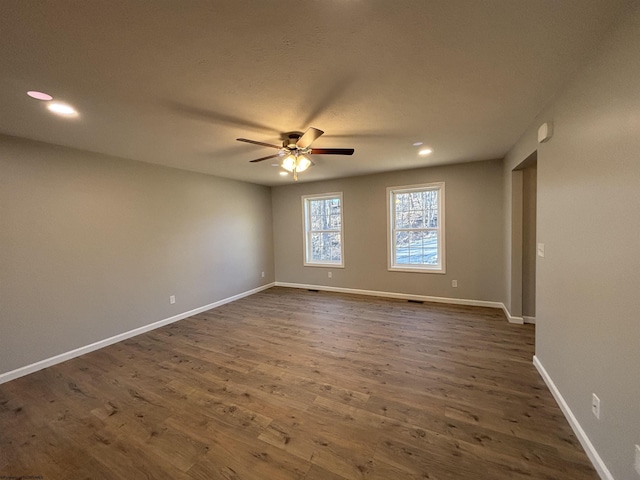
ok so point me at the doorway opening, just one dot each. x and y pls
(523, 239)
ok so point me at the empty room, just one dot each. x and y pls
(321, 240)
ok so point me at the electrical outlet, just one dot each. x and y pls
(262, 274)
(172, 299)
(454, 283)
(595, 405)
(329, 274)
(637, 463)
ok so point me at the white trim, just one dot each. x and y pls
(438, 269)
(597, 461)
(405, 296)
(529, 319)
(511, 318)
(305, 226)
(324, 265)
(48, 362)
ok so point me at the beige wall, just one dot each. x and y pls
(93, 246)
(587, 310)
(474, 225)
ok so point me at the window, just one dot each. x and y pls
(416, 228)
(323, 235)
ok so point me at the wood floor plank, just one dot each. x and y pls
(292, 384)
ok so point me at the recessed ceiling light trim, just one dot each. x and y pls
(39, 95)
(417, 144)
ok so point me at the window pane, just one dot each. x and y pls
(327, 243)
(335, 221)
(429, 243)
(320, 247)
(325, 247)
(417, 248)
(430, 200)
(325, 214)
(317, 222)
(410, 219)
(336, 251)
(402, 247)
(416, 209)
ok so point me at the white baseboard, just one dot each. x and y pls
(511, 318)
(598, 464)
(404, 296)
(34, 367)
(529, 319)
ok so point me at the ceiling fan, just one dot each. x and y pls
(296, 148)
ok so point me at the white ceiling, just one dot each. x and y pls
(176, 82)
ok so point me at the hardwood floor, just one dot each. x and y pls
(292, 384)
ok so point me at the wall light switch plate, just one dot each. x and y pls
(637, 463)
(329, 274)
(541, 249)
(172, 299)
(454, 283)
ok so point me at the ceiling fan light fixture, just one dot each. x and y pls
(289, 163)
(303, 163)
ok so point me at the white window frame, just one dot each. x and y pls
(391, 230)
(306, 223)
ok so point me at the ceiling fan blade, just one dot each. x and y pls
(309, 137)
(213, 116)
(264, 158)
(332, 151)
(258, 143)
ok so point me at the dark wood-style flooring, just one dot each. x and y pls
(292, 384)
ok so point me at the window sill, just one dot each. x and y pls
(325, 265)
(417, 270)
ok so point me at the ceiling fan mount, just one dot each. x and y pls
(289, 139)
(296, 147)
(290, 143)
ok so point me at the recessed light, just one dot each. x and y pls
(62, 109)
(284, 174)
(39, 95)
(425, 151)
(275, 164)
(417, 144)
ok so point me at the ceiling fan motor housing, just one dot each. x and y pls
(291, 139)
